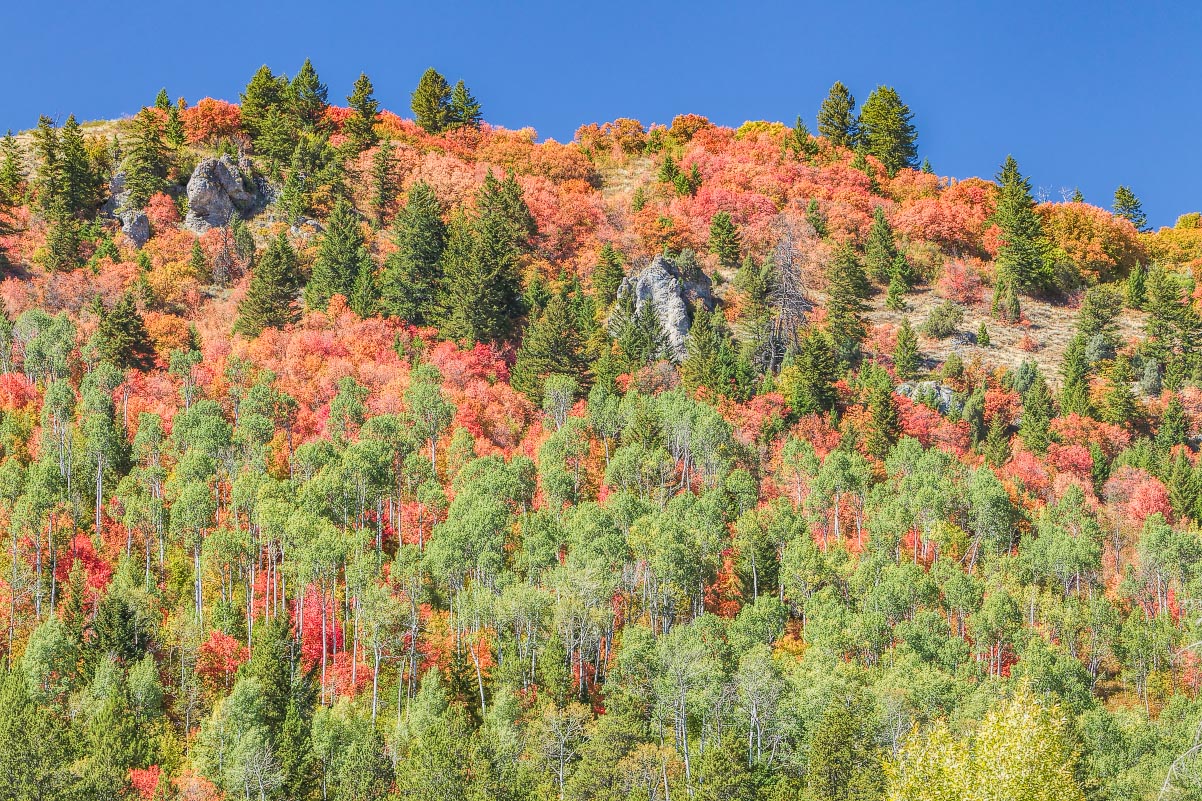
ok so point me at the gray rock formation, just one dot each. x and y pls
(662, 284)
(215, 194)
(135, 225)
(942, 394)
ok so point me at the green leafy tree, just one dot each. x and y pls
(837, 117)
(887, 130)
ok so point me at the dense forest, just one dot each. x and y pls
(349, 456)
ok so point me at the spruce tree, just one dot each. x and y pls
(1128, 207)
(799, 141)
(1024, 250)
(198, 263)
(431, 102)
(983, 335)
(895, 295)
(360, 127)
(482, 289)
(1136, 286)
(551, 346)
(277, 140)
(837, 117)
(816, 218)
(12, 170)
(1037, 416)
(1119, 406)
(265, 91)
(173, 129)
(996, 447)
(162, 100)
(887, 131)
(307, 97)
(1074, 371)
(817, 367)
(880, 251)
(412, 273)
(607, 276)
(846, 263)
(270, 300)
(63, 241)
(341, 257)
(905, 355)
(1173, 427)
(121, 337)
(844, 321)
(80, 185)
(724, 241)
(383, 184)
(48, 180)
(701, 365)
(146, 161)
(464, 109)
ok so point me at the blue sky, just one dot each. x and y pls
(1088, 94)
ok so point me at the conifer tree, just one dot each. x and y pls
(880, 251)
(265, 92)
(607, 275)
(1023, 253)
(846, 263)
(464, 109)
(1005, 306)
(983, 335)
(837, 117)
(383, 184)
(817, 367)
(895, 295)
(816, 218)
(1037, 416)
(146, 161)
(701, 365)
(173, 129)
(307, 97)
(79, 182)
(12, 170)
(49, 180)
(724, 241)
(996, 448)
(121, 337)
(550, 347)
(412, 273)
(905, 355)
(482, 290)
(844, 322)
(341, 257)
(1119, 407)
(360, 127)
(162, 100)
(270, 300)
(1128, 207)
(887, 131)
(431, 102)
(63, 241)
(800, 142)
(1136, 286)
(1074, 391)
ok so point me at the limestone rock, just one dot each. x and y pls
(135, 225)
(215, 194)
(942, 394)
(663, 284)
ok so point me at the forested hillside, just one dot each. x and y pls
(347, 455)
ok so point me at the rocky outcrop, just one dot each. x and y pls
(941, 395)
(672, 293)
(135, 225)
(216, 192)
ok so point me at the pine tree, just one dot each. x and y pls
(464, 109)
(383, 184)
(1173, 427)
(817, 367)
(880, 250)
(887, 131)
(837, 117)
(845, 762)
(49, 179)
(1119, 407)
(482, 290)
(173, 129)
(1128, 207)
(413, 272)
(162, 100)
(1077, 196)
(905, 355)
(926, 168)
(307, 97)
(884, 420)
(277, 140)
(360, 127)
(895, 295)
(1005, 306)
(844, 308)
(550, 347)
(270, 300)
(816, 218)
(265, 92)
(341, 257)
(431, 102)
(12, 170)
(983, 335)
(800, 142)
(996, 448)
(1037, 416)
(701, 366)
(80, 185)
(846, 263)
(607, 275)
(146, 161)
(121, 337)
(724, 241)
(197, 262)
(1136, 286)
(1023, 253)
(63, 241)
(1074, 390)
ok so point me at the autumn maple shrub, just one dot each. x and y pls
(960, 283)
(211, 120)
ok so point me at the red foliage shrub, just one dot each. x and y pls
(210, 120)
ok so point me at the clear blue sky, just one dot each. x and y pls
(1088, 94)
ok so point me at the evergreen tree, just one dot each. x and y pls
(277, 140)
(983, 335)
(270, 300)
(341, 258)
(383, 184)
(701, 366)
(996, 448)
(724, 241)
(412, 273)
(307, 97)
(63, 241)
(162, 100)
(198, 263)
(887, 131)
(1136, 286)
(1074, 370)
(49, 179)
(926, 167)
(816, 218)
(121, 337)
(1037, 416)
(1128, 207)
(360, 127)
(905, 355)
(1119, 407)
(173, 130)
(12, 170)
(80, 185)
(817, 367)
(146, 161)
(837, 117)
(1023, 253)
(895, 295)
(1005, 306)
(884, 420)
(844, 321)
(845, 763)
(1173, 427)
(431, 102)
(880, 251)
(800, 142)
(464, 109)
(266, 91)
(607, 276)
(482, 290)
(550, 347)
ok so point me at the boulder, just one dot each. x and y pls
(215, 194)
(135, 225)
(662, 284)
(942, 394)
